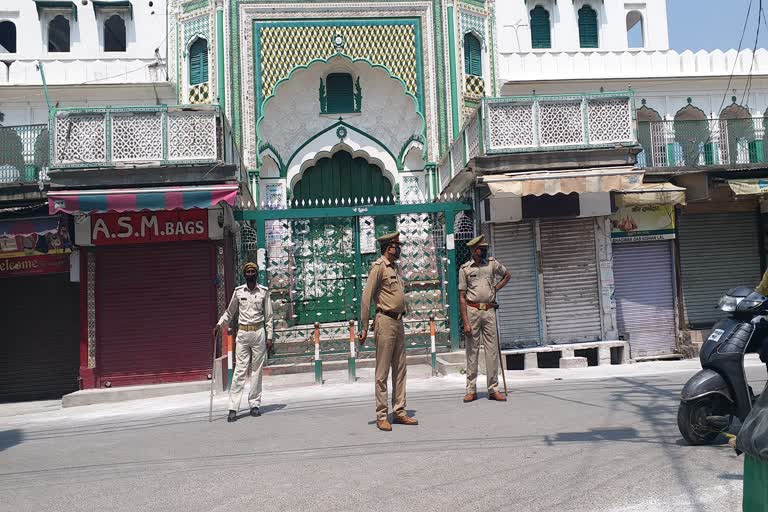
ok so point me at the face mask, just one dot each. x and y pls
(250, 279)
(483, 254)
(397, 252)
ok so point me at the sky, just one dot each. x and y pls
(714, 24)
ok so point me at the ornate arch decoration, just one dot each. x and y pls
(645, 113)
(340, 137)
(735, 111)
(690, 113)
(418, 104)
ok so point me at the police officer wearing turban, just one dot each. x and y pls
(253, 306)
(385, 289)
(479, 280)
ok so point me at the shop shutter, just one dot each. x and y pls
(198, 62)
(645, 296)
(571, 295)
(472, 56)
(588, 30)
(339, 97)
(718, 251)
(156, 307)
(39, 348)
(514, 245)
(541, 36)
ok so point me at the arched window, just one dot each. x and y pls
(473, 64)
(58, 34)
(541, 36)
(198, 62)
(7, 37)
(114, 34)
(635, 36)
(588, 27)
(339, 98)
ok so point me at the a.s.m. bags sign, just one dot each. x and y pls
(123, 228)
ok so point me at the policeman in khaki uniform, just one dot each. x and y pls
(385, 288)
(479, 280)
(252, 303)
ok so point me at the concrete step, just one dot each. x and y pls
(120, 394)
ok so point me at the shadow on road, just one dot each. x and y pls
(10, 438)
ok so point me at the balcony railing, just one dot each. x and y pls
(518, 124)
(23, 153)
(702, 143)
(130, 136)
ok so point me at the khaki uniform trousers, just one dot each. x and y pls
(390, 353)
(483, 325)
(251, 349)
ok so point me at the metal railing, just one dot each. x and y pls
(702, 143)
(120, 136)
(518, 124)
(23, 153)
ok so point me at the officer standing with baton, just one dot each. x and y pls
(479, 280)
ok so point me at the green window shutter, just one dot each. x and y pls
(198, 62)
(473, 64)
(339, 98)
(541, 36)
(588, 27)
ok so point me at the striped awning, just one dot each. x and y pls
(29, 226)
(144, 199)
(564, 182)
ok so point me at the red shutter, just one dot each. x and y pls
(156, 307)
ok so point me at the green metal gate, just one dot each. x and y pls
(315, 260)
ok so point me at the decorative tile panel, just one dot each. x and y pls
(137, 136)
(392, 45)
(192, 136)
(561, 122)
(609, 120)
(80, 138)
(472, 23)
(457, 159)
(474, 86)
(472, 132)
(510, 125)
(199, 94)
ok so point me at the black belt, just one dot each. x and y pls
(391, 314)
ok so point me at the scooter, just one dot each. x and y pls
(713, 397)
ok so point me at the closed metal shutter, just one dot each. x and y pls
(514, 245)
(645, 296)
(156, 307)
(39, 348)
(571, 295)
(718, 251)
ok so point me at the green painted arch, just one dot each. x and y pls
(342, 176)
(418, 103)
(412, 138)
(284, 172)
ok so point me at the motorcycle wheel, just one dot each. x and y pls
(692, 419)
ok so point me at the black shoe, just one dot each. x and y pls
(232, 416)
(255, 411)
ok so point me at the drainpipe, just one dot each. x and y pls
(222, 90)
(452, 68)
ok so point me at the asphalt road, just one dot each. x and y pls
(607, 445)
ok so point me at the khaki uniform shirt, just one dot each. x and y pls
(253, 306)
(385, 288)
(479, 281)
(762, 288)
